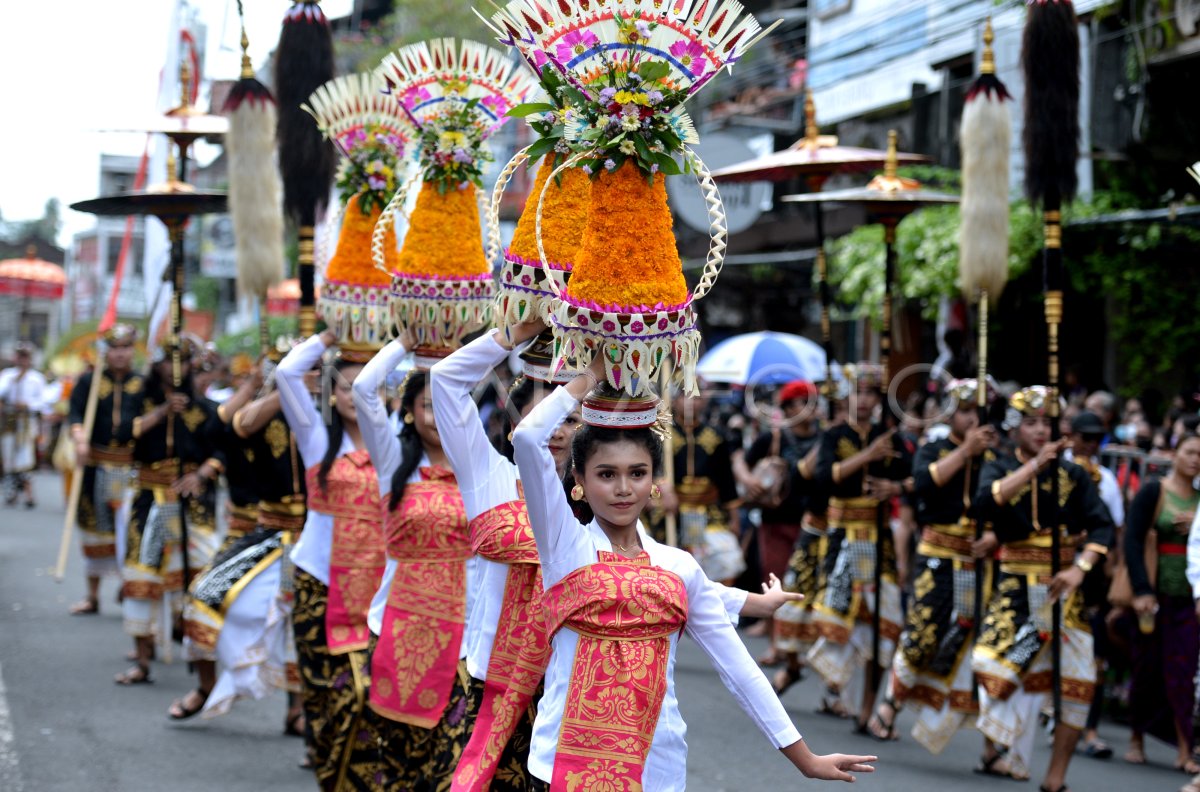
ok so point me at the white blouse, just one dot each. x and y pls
(384, 447)
(485, 478)
(564, 546)
(311, 552)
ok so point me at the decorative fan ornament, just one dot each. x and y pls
(373, 134)
(456, 94)
(627, 68)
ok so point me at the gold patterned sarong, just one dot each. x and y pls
(624, 612)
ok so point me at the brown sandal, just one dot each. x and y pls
(85, 607)
(180, 710)
(138, 675)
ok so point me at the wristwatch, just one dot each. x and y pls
(1084, 564)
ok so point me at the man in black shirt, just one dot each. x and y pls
(788, 443)
(1012, 658)
(107, 459)
(932, 669)
(863, 465)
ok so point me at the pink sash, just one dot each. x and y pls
(521, 649)
(414, 664)
(624, 611)
(356, 559)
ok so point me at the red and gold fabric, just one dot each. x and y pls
(414, 664)
(521, 649)
(624, 612)
(356, 559)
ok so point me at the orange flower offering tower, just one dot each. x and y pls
(456, 95)
(621, 71)
(372, 133)
(563, 200)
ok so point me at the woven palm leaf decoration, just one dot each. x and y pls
(456, 94)
(373, 135)
(627, 68)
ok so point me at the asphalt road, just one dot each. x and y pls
(64, 725)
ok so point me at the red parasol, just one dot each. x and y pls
(32, 277)
(283, 298)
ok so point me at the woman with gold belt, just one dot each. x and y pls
(333, 582)
(417, 719)
(616, 602)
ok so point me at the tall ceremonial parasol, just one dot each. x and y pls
(815, 158)
(986, 133)
(303, 62)
(888, 199)
(31, 278)
(173, 203)
(1050, 62)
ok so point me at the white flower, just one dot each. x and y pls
(630, 122)
(628, 148)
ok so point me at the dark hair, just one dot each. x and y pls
(588, 438)
(518, 398)
(410, 441)
(336, 429)
(1185, 437)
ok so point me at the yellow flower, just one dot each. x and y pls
(451, 140)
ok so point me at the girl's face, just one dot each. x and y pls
(616, 482)
(343, 395)
(424, 419)
(560, 441)
(1033, 433)
(1187, 458)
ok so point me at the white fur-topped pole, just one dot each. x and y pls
(255, 189)
(986, 137)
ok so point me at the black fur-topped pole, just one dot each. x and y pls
(303, 62)
(1050, 61)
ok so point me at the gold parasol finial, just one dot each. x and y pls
(811, 131)
(889, 181)
(988, 62)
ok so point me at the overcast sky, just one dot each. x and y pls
(69, 69)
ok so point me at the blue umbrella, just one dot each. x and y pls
(764, 358)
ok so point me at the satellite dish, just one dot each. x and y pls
(744, 203)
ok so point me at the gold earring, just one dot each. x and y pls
(577, 492)
(408, 418)
(333, 401)
(510, 434)
(655, 492)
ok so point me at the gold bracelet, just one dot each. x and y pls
(592, 375)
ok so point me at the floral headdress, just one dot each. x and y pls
(1035, 401)
(373, 136)
(966, 391)
(456, 94)
(626, 68)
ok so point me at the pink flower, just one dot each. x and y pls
(496, 103)
(539, 59)
(414, 96)
(690, 55)
(575, 43)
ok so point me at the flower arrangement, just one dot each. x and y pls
(371, 168)
(373, 136)
(618, 73)
(455, 95)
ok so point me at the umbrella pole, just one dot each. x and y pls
(670, 519)
(175, 229)
(826, 295)
(889, 419)
(1053, 273)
